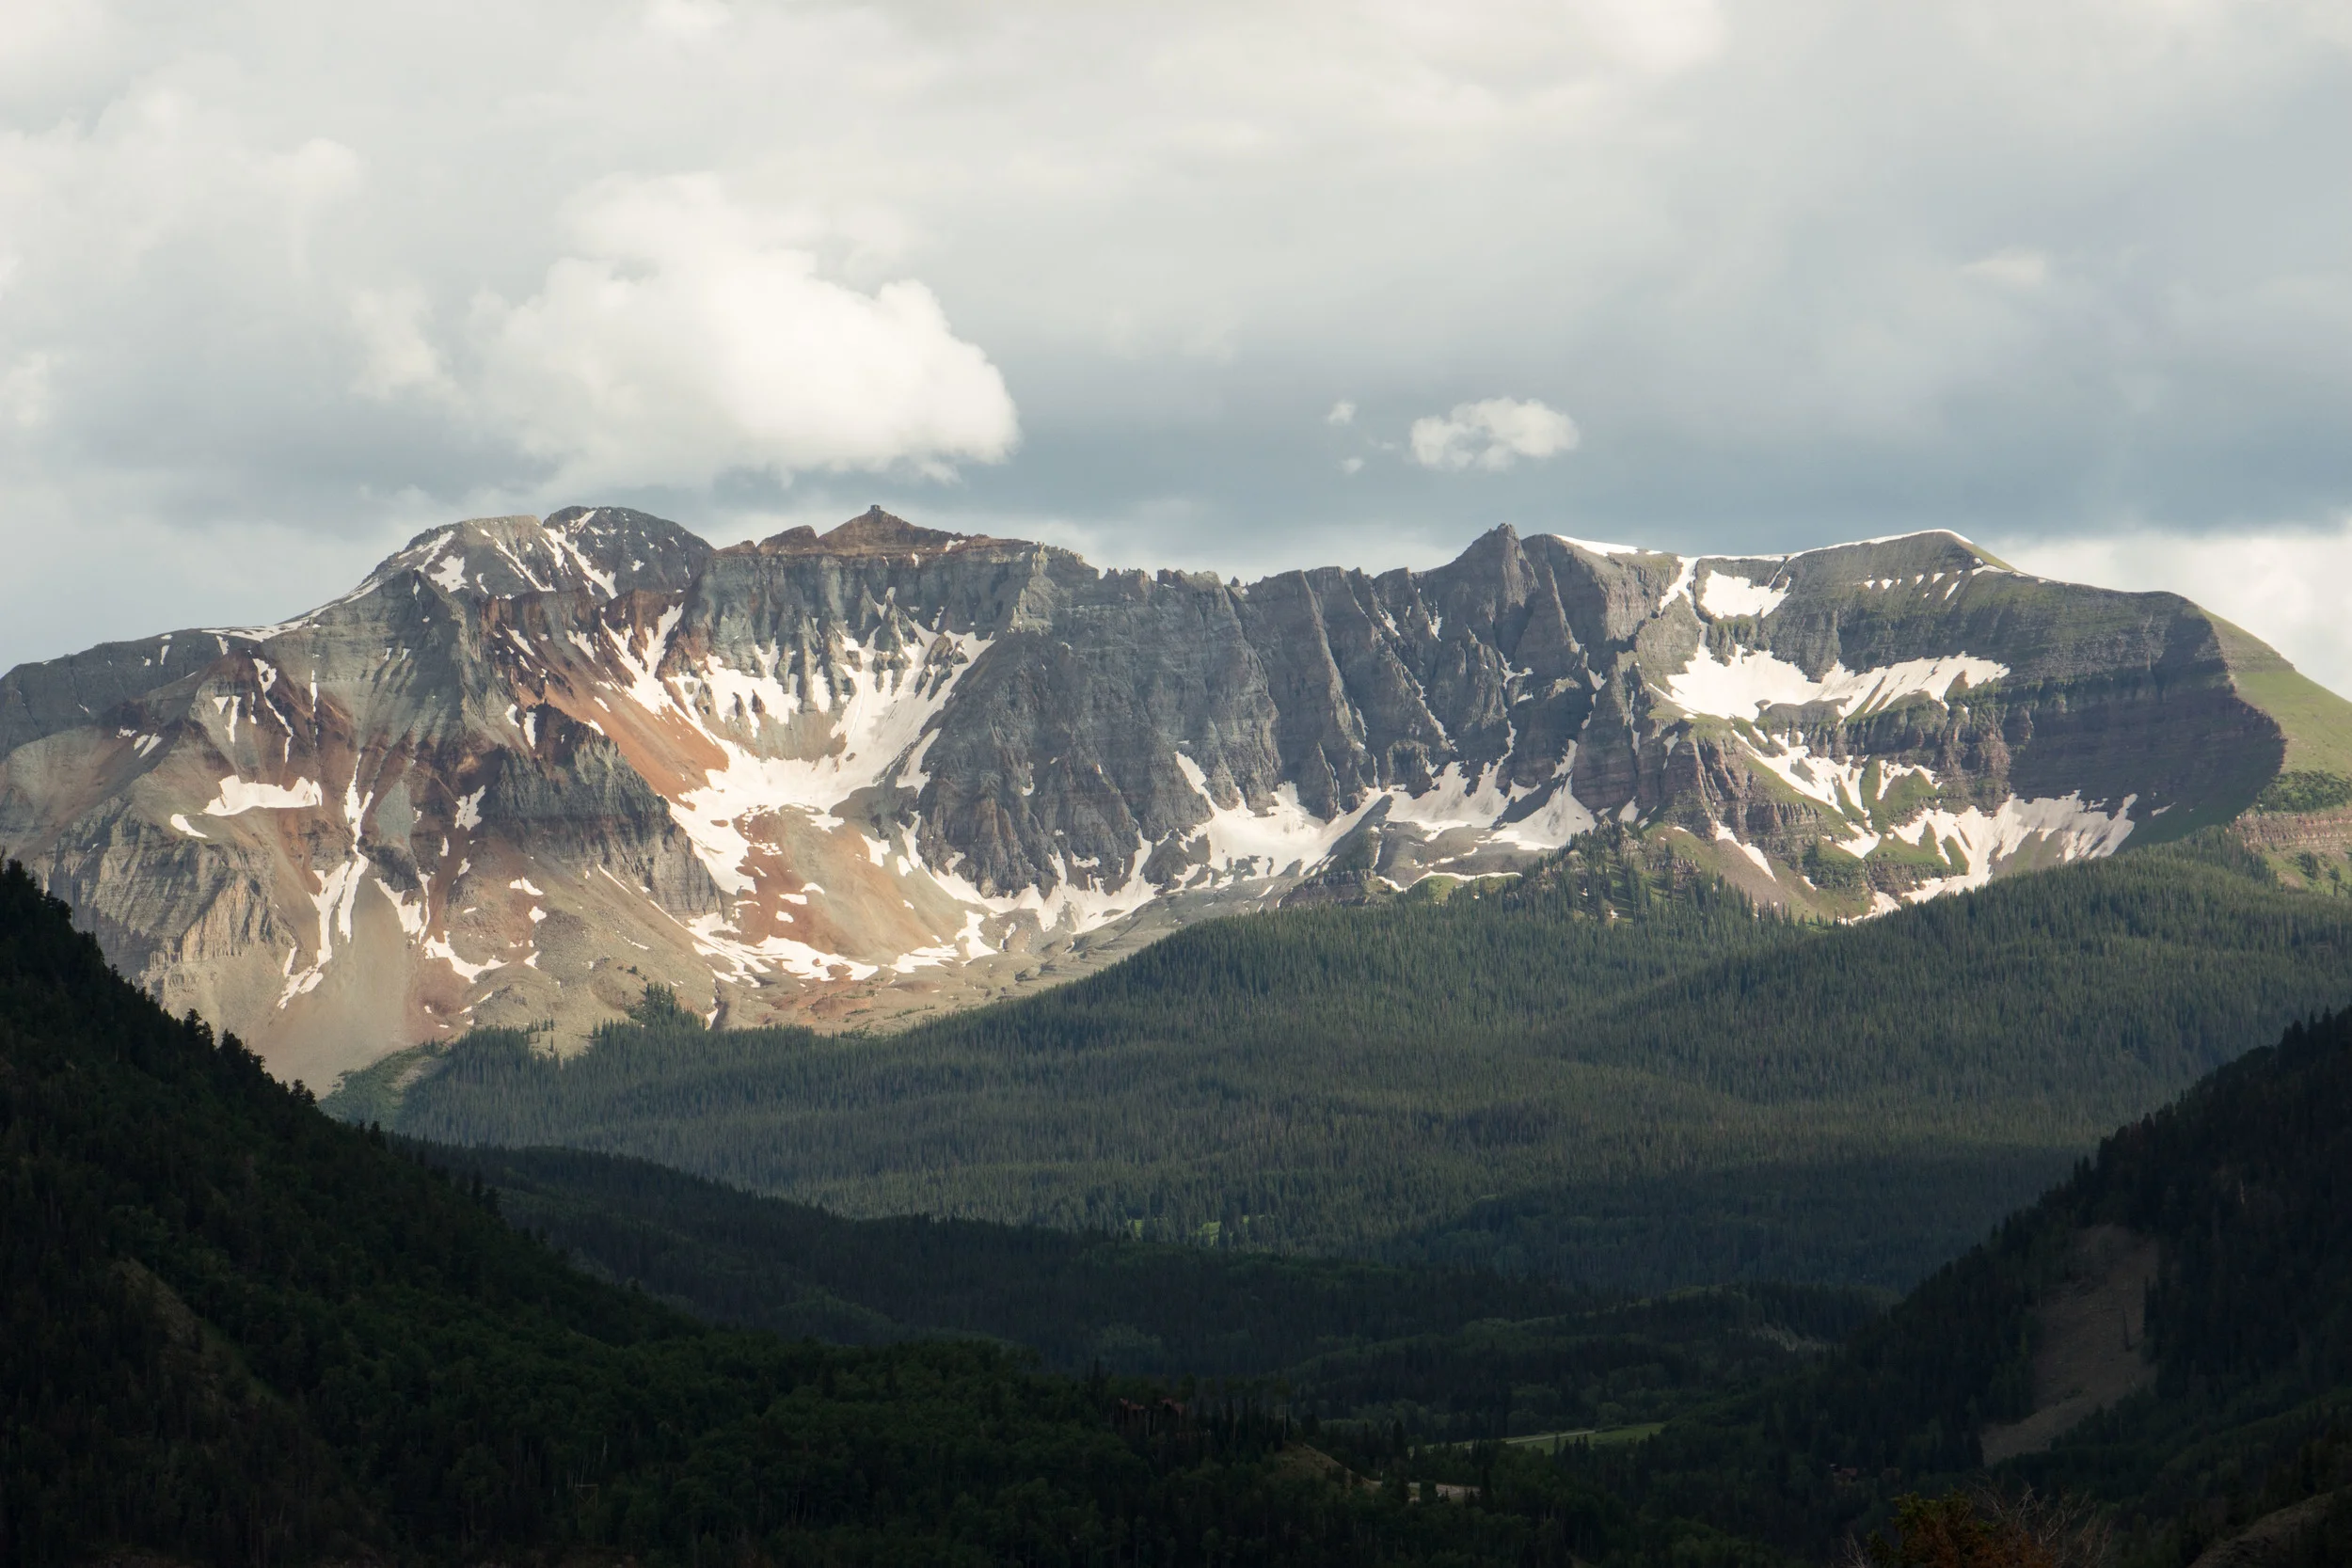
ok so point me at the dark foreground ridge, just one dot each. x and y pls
(234, 1331)
(2229, 1216)
(1364, 1353)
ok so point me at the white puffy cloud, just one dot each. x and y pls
(1491, 435)
(691, 340)
(1342, 412)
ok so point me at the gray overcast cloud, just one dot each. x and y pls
(280, 284)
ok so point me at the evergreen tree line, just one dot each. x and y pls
(2245, 1183)
(1439, 1353)
(1488, 1079)
(235, 1331)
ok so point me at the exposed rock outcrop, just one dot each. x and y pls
(527, 765)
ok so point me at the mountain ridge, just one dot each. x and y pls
(892, 768)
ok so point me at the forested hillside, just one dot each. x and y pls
(1076, 1298)
(1489, 1078)
(2244, 1185)
(1432, 1355)
(233, 1331)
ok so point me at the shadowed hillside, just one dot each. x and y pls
(1618, 1072)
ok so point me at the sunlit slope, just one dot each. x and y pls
(529, 765)
(2315, 722)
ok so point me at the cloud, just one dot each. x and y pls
(1491, 435)
(687, 21)
(1821, 268)
(2015, 267)
(1342, 412)
(690, 341)
(399, 353)
(24, 391)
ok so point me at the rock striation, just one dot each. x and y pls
(529, 766)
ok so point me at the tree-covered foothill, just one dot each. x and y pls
(1435, 1354)
(1617, 1072)
(2245, 1185)
(235, 1331)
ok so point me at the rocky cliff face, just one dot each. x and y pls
(527, 765)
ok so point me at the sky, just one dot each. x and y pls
(1236, 286)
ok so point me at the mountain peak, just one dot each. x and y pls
(872, 531)
(608, 550)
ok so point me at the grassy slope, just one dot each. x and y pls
(2316, 722)
(1340, 1078)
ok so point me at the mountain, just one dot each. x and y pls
(529, 765)
(1616, 1071)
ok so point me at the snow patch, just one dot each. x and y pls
(411, 916)
(873, 718)
(1595, 546)
(564, 545)
(1725, 594)
(647, 689)
(967, 943)
(2064, 828)
(714, 938)
(237, 796)
(337, 889)
(1283, 836)
(1680, 585)
(1552, 824)
(438, 948)
(1073, 907)
(1754, 679)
